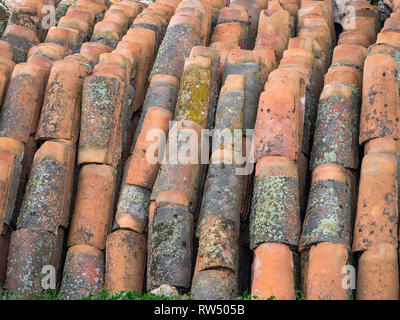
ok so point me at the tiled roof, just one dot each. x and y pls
(307, 92)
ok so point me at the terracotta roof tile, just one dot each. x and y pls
(273, 272)
(277, 127)
(91, 218)
(60, 114)
(23, 107)
(102, 99)
(378, 276)
(169, 261)
(181, 36)
(133, 208)
(379, 113)
(11, 162)
(93, 50)
(66, 37)
(328, 217)
(336, 128)
(47, 198)
(324, 274)
(21, 39)
(376, 220)
(275, 215)
(30, 250)
(156, 118)
(214, 285)
(125, 261)
(83, 272)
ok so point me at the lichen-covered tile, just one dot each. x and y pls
(133, 208)
(100, 138)
(169, 260)
(275, 215)
(47, 198)
(328, 217)
(336, 127)
(214, 284)
(218, 243)
(194, 93)
(83, 273)
(182, 35)
(30, 250)
(222, 195)
(21, 39)
(215, 78)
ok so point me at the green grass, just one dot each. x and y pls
(5, 294)
(103, 295)
(132, 295)
(246, 296)
(125, 295)
(5, 13)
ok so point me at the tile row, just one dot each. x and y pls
(282, 142)
(376, 221)
(126, 246)
(334, 160)
(44, 213)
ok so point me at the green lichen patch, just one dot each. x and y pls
(83, 275)
(194, 96)
(336, 133)
(328, 216)
(230, 111)
(275, 211)
(174, 49)
(169, 249)
(43, 204)
(251, 73)
(218, 243)
(63, 7)
(222, 194)
(214, 284)
(101, 104)
(134, 201)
